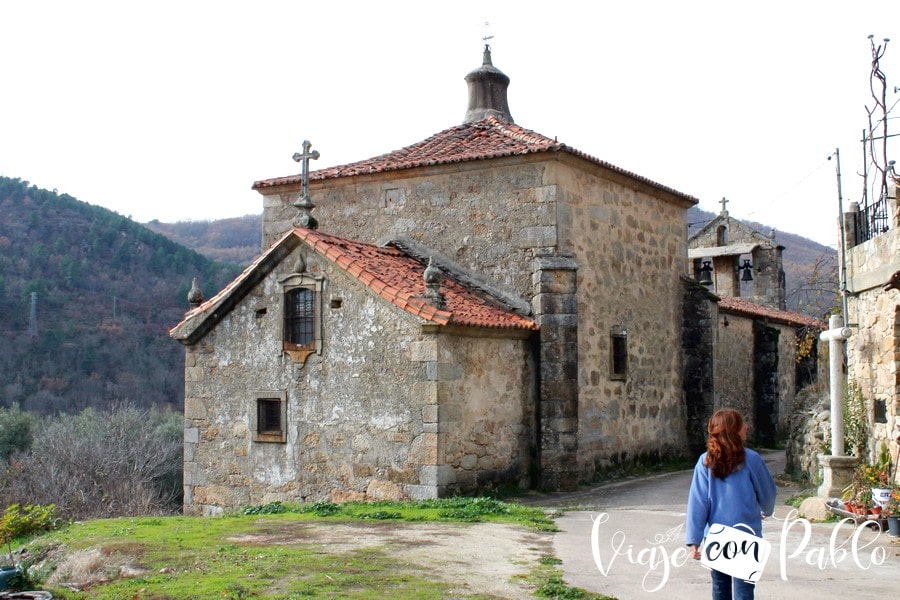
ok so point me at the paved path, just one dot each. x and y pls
(646, 517)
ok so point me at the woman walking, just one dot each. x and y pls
(731, 485)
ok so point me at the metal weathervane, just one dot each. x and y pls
(303, 204)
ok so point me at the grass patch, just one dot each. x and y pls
(550, 585)
(455, 510)
(257, 553)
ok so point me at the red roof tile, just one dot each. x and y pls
(744, 307)
(485, 139)
(387, 271)
(397, 278)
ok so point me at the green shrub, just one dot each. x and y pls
(16, 431)
(20, 522)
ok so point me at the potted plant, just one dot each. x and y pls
(857, 496)
(892, 512)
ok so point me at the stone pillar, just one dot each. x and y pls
(850, 225)
(698, 348)
(837, 469)
(556, 311)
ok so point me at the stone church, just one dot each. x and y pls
(754, 363)
(485, 307)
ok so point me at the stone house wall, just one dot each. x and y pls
(787, 375)
(372, 433)
(734, 365)
(735, 372)
(873, 351)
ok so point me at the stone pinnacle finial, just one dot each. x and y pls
(195, 295)
(433, 277)
(487, 92)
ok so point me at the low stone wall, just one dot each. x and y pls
(809, 433)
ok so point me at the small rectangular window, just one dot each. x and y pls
(618, 356)
(270, 422)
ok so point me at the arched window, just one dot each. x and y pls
(722, 236)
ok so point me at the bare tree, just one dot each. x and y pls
(126, 461)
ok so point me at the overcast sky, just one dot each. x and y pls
(170, 110)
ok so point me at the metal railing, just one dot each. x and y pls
(874, 219)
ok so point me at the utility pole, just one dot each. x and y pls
(842, 276)
(32, 317)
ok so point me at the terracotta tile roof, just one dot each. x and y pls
(387, 271)
(746, 308)
(397, 278)
(485, 139)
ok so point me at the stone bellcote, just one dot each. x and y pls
(487, 92)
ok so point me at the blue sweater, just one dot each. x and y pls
(739, 498)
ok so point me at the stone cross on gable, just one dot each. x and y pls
(303, 204)
(723, 202)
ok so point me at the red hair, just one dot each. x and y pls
(724, 446)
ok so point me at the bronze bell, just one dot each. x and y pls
(706, 274)
(747, 271)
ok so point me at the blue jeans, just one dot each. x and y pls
(722, 587)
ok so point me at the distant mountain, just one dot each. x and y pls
(810, 268)
(236, 240)
(86, 300)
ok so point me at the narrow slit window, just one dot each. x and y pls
(619, 356)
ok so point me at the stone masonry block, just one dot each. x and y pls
(547, 193)
(422, 492)
(194, 408)
(192, 435)
(552, 320)
(555, 304)
(439, 371)
(424, 449)
(554, 281)
(437, 475)
(555, 262)
(542, 236)
(430, 413)
(193, 374)
(423, 351)
(449, 412)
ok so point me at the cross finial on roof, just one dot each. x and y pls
(723, 202)
(303, 204)
(487, 47)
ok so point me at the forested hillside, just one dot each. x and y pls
(236, 240)
(86, 300)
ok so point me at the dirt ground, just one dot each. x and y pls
(478, 559)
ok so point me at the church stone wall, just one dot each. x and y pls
(503, 219)
(485, 215)
(363, 418)
(485, 405)
(630, 248)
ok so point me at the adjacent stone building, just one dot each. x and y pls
(873, 311)
(756, 364)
